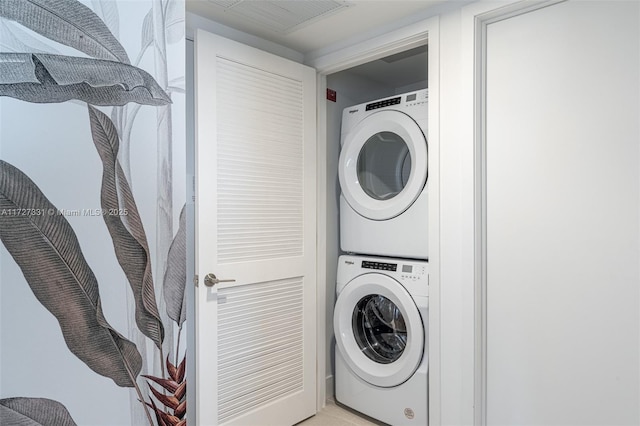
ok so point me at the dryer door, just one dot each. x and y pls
(383, 165)
(379, 330)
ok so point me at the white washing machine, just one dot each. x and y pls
(383, 170)
(381, 327)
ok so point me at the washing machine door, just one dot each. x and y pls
(379, 330)
(383, 165)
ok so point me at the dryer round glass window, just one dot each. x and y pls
(379, 329)
(384, 165)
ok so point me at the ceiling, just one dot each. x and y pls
(397, 70)
(310, 25)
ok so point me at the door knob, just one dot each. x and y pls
(210, 280)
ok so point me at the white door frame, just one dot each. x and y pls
(475, 19)
(406, 38)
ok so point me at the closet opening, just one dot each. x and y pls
(387, 77)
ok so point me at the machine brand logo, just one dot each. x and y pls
(408, 412)
(351, 111)
(349, 262)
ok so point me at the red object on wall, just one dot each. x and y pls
(331, 95)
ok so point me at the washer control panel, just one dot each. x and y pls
(404, 270)
(413, 272)
(381, 266)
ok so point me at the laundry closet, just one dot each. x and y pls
(389, 76)
(240, 88)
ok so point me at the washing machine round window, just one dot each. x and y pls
(384, 165)
(379, 328)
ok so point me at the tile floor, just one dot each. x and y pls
(338, 415)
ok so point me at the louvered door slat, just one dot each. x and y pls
(260, 159)
(260, 344)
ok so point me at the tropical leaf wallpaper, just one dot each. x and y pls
(92, 212)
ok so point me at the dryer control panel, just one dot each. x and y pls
(419, 97)
(383, 103)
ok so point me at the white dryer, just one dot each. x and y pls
(383, 170)
(381, 327)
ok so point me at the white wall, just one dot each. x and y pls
(613, 307)
(562, 216)
(456, 223)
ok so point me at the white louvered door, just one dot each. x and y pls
(256, 224)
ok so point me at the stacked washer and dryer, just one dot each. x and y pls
(381, 311)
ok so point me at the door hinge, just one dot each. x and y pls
(195, 280)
